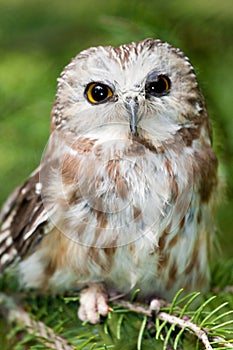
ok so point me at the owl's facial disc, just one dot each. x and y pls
(132, 108)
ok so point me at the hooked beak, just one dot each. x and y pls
(132, 107)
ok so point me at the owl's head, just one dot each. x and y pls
(141, 88)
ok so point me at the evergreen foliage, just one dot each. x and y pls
(192, 321)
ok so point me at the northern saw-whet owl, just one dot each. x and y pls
(123, 197)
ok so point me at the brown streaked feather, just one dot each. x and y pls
(23, 221)
(206, 171)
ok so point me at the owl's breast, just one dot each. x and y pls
(122, 178)
(114, 193)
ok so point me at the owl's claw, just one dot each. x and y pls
(93, 303)
(156, 304)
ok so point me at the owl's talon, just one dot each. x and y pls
(93, 304)
(156, 304)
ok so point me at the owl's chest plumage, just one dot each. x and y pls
(113, 202)
(118, 210)
(112, 194)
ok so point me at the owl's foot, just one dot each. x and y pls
(156, 304)
(93, 303)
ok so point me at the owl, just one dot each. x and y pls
(124, 195)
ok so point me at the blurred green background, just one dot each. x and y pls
(38, 38)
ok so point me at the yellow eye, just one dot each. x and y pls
(97, 93)
(158, 85)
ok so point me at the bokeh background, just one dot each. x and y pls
(39, 37)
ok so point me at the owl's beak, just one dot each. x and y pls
(132, 107)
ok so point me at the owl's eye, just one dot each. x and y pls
(97, 93)
(158, 85)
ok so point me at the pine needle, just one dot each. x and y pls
(140, 335)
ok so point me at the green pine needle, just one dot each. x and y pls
(140, 334)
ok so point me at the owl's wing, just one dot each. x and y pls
(23, 221)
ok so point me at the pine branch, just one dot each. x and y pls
(182, 323)
(164, 312)
(39, 329)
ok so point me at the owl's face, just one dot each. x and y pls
(141, 88)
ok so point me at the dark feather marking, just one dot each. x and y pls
(138, 142)
(189, 134)
(22, 210)
(205, 171)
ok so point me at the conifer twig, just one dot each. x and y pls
(16, 314)
(200, 333)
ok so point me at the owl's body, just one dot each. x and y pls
(124, 194)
